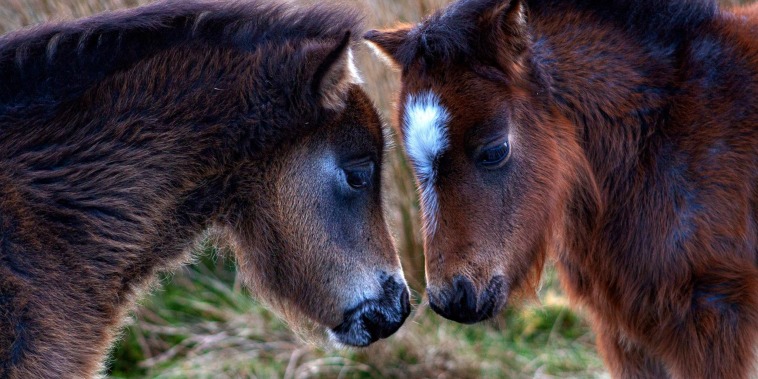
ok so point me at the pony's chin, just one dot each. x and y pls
(349, 340)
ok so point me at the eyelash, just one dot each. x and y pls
(493, 157)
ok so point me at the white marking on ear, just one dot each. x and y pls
(355, 75)
(425, 122)
(381, 54)
(337, 81)
(521, 17)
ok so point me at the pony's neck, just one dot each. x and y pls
(607, 85)
(616, 106)
(139, 160)
(616, 94)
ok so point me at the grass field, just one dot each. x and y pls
(200, 323)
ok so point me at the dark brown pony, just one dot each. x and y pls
(621, 135)
(126, 136)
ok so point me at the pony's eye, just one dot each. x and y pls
(494, 157)
(359, 177)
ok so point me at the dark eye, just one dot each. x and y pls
(359, 177)
(494, 157)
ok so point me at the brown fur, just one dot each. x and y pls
(634, 127)
(125, 136)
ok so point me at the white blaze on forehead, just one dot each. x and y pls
(425, 124)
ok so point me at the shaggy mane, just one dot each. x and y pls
(56, 61)
(451, 34)
(662, 20)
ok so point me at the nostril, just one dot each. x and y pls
(376, 318)
(465, 296)
(405, 303)
(373, 321)
(391, 286)
(383, 316)
(460, 302)
(378, 325)
(494, 297)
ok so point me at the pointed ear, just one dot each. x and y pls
(508, 17)
(490, 14)
(334, 71)
(496, 28)
(505, 25)
(387, 43)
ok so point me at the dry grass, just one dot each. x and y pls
(203, 325)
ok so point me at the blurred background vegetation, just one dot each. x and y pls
(200, 323)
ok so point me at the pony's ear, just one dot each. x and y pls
(333, 71)
(387, 43)
(504, 24)
(498, 29)
(507, 14)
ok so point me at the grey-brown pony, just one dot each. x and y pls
(126, 136)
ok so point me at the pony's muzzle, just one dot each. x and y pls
(377, 318)
(460, 302)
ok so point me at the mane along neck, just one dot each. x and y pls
(615, 88)
(56, 62)
(664, 20)
(614, 79)
(138, 119)
(639, 99)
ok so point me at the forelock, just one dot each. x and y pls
(445, 37)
